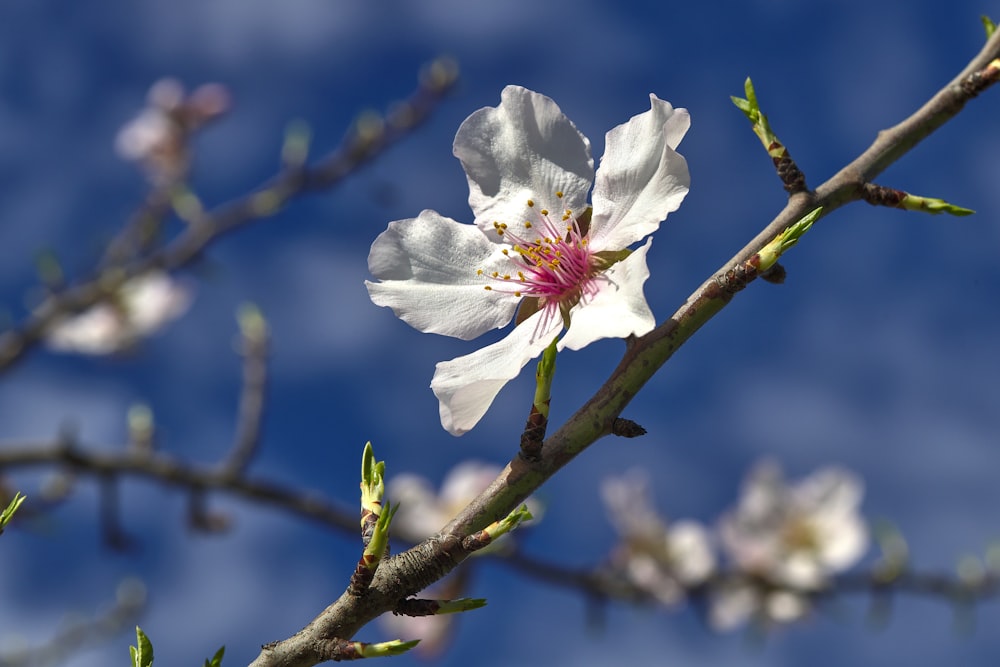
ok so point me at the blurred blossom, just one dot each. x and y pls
(536, 243)
(424, 511)
(664, 560)
(141, 307)
(788, 535)
(735, 602)
(157, 137)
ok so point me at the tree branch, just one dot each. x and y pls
(410, 571)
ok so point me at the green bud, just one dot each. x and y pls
(142, 652)
(7, 514)
(383, 649)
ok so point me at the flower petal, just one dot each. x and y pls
(428, 265)
(466, 386)
(618, 310)
(525, 148)
(641, 178)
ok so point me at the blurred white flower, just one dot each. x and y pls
(423, 511)
(788, 535)
(734, 603)
(157, 136)
(664, 560)
(796, 534)
(141, 307)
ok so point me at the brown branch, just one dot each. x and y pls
(411, 571)
(601, 583)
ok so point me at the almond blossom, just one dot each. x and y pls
(157, 137)
(792, 536)
(537, 247)
(663, 560)
(424, 511)
(142, 306)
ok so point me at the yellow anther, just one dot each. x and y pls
(506, 252)
(527, 224)
(506, 276)
(517, 294)
(559, 193)
(531, 202)
(479, 272)
(487, 287)
(544, 211)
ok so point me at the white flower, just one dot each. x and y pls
(788, 535)
(734, 603)
(141, 307)
(660, 559)
(535, 243)
(158, 135)
(796, 535)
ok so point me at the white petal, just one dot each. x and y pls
(844, 544)
(832, 491)
(153, 299)
(785, 607)
(466, 386)
(428, 266)
(525, 148)
(641, 178)
(690, 548)
(732, 605)
(466, 481)
(618, 310)
(98, 330)
(419, 514)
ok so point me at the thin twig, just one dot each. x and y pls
(357, 150)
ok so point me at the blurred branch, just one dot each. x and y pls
(363, 143)
(130, 601)
(253, 347)
(603, 584)
(156, 467)
(598, 583)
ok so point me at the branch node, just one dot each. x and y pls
(626, 428)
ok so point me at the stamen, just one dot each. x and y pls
(553, 264)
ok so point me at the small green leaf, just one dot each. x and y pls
(988, 25)
(216, 660)
(380, 536)
(770, 253)
(509, 522)
(142, 653)
(543, 378)
(460, 605)
(932, 205)
(382, 649)
(8, 514)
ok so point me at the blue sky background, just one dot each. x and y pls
(880, 353)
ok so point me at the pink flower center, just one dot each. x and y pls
(556, 267)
